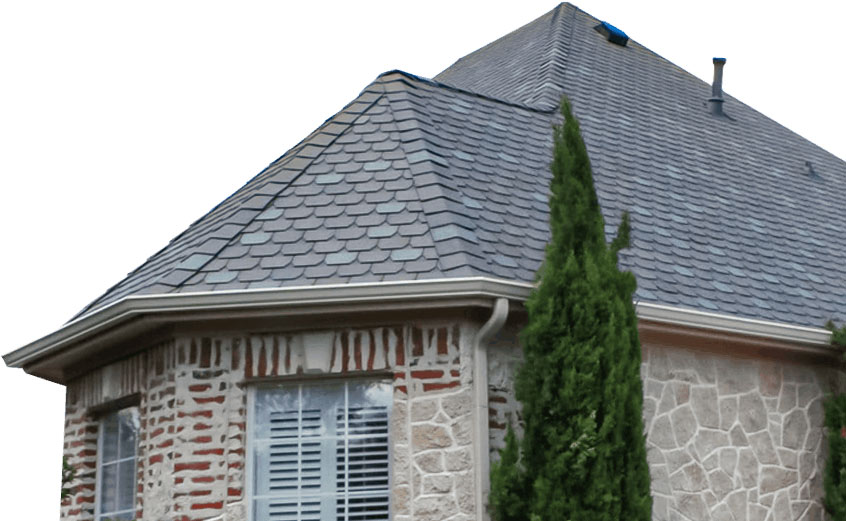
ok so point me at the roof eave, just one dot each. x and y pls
(149, 311)
(733, 324)
(392, 295)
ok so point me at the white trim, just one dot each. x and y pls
(732, 324)
(390, 295)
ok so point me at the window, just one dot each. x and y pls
(116, 479)
(320, 452)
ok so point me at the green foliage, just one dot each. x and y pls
(68, 475)
(507, 492)
(835, 423)
(582, 455)
(835, 469)
(838, 335)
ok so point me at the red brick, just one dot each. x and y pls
(202, 479)
(427, 374)
(262, 363)
(248, 361)
(416, 341)
(198, 388)
(204, 452)
(157, 458)
(442, 341)
(203, 506)
(275, 357)
(234, 492)
(438, 386)
(357, 352)
(213, 399)
(201, 439)
(198, 465)
(200, 492)
(195, 414)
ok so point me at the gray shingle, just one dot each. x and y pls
(422, 180)
(341, 257)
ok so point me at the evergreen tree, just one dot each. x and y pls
(583, 454)
(835, 422)
(835, 467)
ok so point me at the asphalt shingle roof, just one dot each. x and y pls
(448, 178)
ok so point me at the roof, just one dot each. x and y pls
(422, 179)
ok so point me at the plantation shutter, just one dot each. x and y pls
(320, 453)
(362, 470)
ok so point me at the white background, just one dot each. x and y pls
(123, 122)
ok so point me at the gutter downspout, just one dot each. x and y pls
(480, 391)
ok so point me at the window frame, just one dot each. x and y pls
(295, 384)
(98, 483)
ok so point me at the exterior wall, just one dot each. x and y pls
(192, 395)
(728, 439)
(734, 439)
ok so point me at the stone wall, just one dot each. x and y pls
(192, 398)
(728, 438)
(733, 438)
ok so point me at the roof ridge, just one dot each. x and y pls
(546, 69)
(302, 170)
(446, 86)
(404, 144)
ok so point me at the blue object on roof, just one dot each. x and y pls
(613, 34)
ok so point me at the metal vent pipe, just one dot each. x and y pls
(716, 100)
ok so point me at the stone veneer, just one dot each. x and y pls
(734, 439)
(191, 394)
(728, 438)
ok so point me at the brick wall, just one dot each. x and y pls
(192, 399)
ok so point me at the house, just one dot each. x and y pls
(337, 339)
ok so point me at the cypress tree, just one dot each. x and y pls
(582, 455)
(835, 423)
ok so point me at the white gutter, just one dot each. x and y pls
(480, 392)
(389, 294)
(377, 294)
(732, 324)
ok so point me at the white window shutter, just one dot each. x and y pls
(363, 467)
(320, 453)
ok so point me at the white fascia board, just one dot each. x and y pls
(732, 324)
(389, 294)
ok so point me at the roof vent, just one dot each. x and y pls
(810, 170)
(716, 99)
(612, 34)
